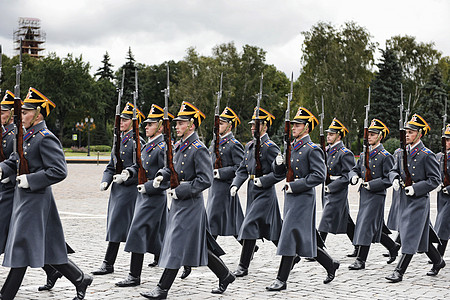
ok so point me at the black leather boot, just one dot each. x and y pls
(162, 289)
(438, 262)
(218, 267)
(186, 271)
(397, 276)
(155, 261)
(12, 283)
(330, 265)
(52, 277)
(246, 255)
(354, 253)
(134, 278)
(441, 248)
(392, 247)
(107, 266)
(80, 280)
(360, 262)
(283, 273)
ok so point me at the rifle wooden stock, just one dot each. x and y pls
(368, 173)
(174, 181)
(142, 178)
(258, 167)
(287, 138)
(408, 180)
(324, 149)
(218, 162)
(446, 180)
(23, 163)
(117, 142)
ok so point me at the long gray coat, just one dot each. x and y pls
(394, 211)
(123, 196)
(150, 213)
(415, 210)
(298, 234)
(224, 212)
(36, 236)
(442, 225)
(185, 241)
(369, 223)
(340, 162)
(262, 218)
(6, 189)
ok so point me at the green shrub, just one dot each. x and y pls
(101, 148)
(391, 145)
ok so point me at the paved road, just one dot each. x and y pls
(82, 207)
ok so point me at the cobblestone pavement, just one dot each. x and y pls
(83, 207)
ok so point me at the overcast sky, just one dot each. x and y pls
(159, 30)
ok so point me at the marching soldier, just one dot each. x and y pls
(340, 161)
(186, 241)
(262, 218)
(224, 212)
(415, 199)
(36, 229)
(150, 213)
(442, 224)
(370, 219)
(123, 194)
(298, 234)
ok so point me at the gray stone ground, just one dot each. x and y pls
(83, 207)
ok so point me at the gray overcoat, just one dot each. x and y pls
(394, 211)
(442, 224)
(224, 212)
(414, 219)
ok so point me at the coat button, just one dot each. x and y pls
(182, 162)
(126, 146)
(181, 171)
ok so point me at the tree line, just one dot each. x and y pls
(337, 63)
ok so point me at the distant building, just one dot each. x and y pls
(31, 35)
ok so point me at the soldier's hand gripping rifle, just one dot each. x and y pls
(168, 154)
(117, 137)
(18, 128)
(366, 152)
(446, 181)
(142, 178)
(257, 134)
(218, 162)
(287, 134)
(2, 154)
(404, 158)
(323, 145)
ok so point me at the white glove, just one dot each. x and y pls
(141, 188)
(233, 191)
(326, 189)
(157, 181)
(22, 182)
(287, 188)
(6, 180)
(366, 185)
(409, 191)
(279, 160)
(396, 184)
(1, 172)
(354, 179)
(103, 186)
(118, 179)
(445, 191)
(125, 175)
(216, 174)
(439, 187)
(257, 182)
(172, 194)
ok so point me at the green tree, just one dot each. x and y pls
(129, 82)
(105, 71)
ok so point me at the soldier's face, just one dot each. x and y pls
(5, 116)
(150, 129)
(182, 128)
(333, 137)
(297, 128)
(262, 129)
(372, 138)
(447, 144)
(223, 127)
(125, 124)
(27, 117)
(411, 136)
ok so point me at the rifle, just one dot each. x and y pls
(404, 160)
(142, 178)
(2, 154)
(258, 167)
(367, 175)
(18, 128)
(218, 162)
(323, 145)
(287, 134)
(446, 181)
(117, 137)
(168, 154)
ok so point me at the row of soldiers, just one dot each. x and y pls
(185, 236)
